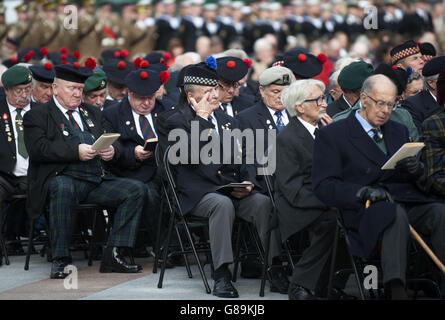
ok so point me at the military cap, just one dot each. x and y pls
(203, 73)
(145, 82)
(96, 82)
(165, 2)
(434, 66)
(237, 5)
(111, 54)
(275, 75)
(406, 49)
(157, 57)
(29, 54)
(73, 72)
(427, 50)
(441, 88)
(16, 75)
(397, 75)
(303, 64)
(116, 70)
(13, 41)
(224, 3)
(43, 73)
(231, 68)
(353, 75)
(180, 79)
(50, 5)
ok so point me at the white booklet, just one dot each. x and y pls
(105, 140)
(409, 149)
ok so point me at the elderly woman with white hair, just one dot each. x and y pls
(298, 207)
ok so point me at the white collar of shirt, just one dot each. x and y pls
(76, 113)
(283, 116)
(229, 109)
(138, 126)
(365, 124)
(14, 109)
(311, 128)
(434, 97)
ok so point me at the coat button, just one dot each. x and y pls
(219, 171)
(13, 157)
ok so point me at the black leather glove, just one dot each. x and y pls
(410, 165)
(373, 194)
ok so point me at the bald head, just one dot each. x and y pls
(378, 82)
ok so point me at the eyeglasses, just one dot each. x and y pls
(234, 85)
(319, 100)
(382, 104)
(20, 91)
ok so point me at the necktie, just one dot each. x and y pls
(280, 124)
(316, 131)
(147, 130)
(72, 120)
(224, 107)
(378, 135)
(20, 140)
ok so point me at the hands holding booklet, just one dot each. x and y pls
(237, 190)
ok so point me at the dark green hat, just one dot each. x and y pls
(353, 75)
(16, 75)
(96, 82)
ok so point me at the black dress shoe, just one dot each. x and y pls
(224, 288)
(113, 261)
(278, 280)
(297, 292)
(57, 269)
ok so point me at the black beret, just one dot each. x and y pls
(427, 50)
(397, 75)
(116, 70)
(143, 81)
(158, 67)
(231, 68)
(406, 49)
(303, 64)
(13, 41)
(201, 74)
(29, 54)
(111, 54)
(73, 72)
(43, 73)
(154, 57)
(61, 58)
(434, 66)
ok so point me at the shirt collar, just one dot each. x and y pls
(365, 124)
(61, 108)
(310, 127)
(12, 108)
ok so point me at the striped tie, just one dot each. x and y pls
(280, 123)
(72, 120)
(147, 131)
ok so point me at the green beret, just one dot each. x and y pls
(16, 75)
(353, 75)
(96, 82)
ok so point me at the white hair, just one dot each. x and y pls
(343, 62)
(262, 43)
(297, 92)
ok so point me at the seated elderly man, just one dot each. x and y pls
(43, 76)
(95, 89)
(347, 158)
(407, 55)
(197, 182)
(298, 207)
(65, 170)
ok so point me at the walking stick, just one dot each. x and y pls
(422, 243)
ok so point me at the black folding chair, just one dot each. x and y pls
(177, 218)
(3, 250)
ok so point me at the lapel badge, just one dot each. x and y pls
(270, 127)
(5, 116)
(131, 128)
(268, 121)
(9, 139)
(90, 123)
(155, 115)
(127, 123)
(65, 133)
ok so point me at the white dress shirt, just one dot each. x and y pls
(229, 109)
(284, 117)
(21, 165)
(75, 113)
(311, 128)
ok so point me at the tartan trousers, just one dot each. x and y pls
(128, 196)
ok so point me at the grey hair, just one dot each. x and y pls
(414, 76)
(297, 92)
(189, 88)
(431, 78)
(333, 79)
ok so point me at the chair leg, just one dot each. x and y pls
(30, 244)
(93, 230)
(158, 232)
(265, 264)
(187, 265)
(289, 254)
(166, 246)
(201, 270)
(354, 266)
(2, 239)
(237, 251)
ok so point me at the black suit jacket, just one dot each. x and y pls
(421, 106)
(241, 102)
(119, 118)
(196, 180)
(337, 106)
(296, 202)
(49, 149)
(8, 150)
(345, 159)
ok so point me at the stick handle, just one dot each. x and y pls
(368, 203)
(427, 249)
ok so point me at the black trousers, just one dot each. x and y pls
(15, 220)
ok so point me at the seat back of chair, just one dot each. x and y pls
(171, 180)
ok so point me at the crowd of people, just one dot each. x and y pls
(332, 100)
